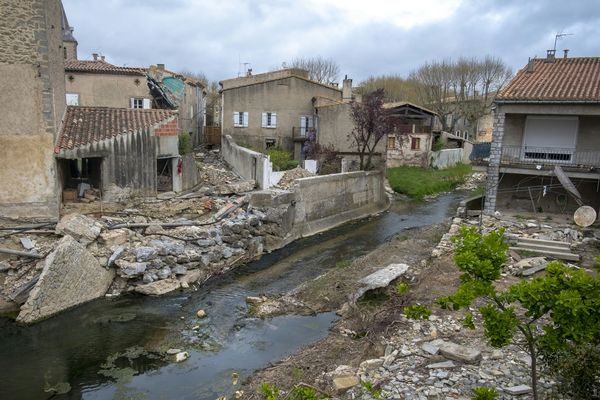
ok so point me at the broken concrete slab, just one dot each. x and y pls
(380, 279)
(71, 276)
(115, 237)
(533, 270)
(158, 288)
(531, 262)
(518, 390)
(345, 382)
(27, 243)
(443, 364)
(460, 353)
(81, 227)
(430, 348)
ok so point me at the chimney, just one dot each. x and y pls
(550, 55)
(566, 53)
(95, 56)
(160, 66)
(347, 89)
(102, 58)
(531, 65)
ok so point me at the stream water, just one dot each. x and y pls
(104, 349)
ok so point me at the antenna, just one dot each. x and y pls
(558, 36)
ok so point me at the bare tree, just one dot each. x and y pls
(320, 69)
(396, 88)
(197, 75)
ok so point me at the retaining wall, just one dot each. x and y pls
(446, 158)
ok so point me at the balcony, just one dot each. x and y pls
(519, 155)
(301, 133)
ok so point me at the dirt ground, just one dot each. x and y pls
(359, 333)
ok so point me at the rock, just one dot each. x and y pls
(255, 299)
(531, 262)
(148, 277)
(153, 229)
(158, 288)
(179, 269)
(164, 272)
(533, 270)
(27, 243)
(227, 252)
(114, 237)
(201, 314)
(443, 364)
(345, 382)
(372, 364)
(130, 269)
(166, 195)
(182, 356)
(517, 390)
(117, 253)
(430, 348)
(172, 352)
(190, 277)
(81, 227)
(168, 247)
(379, 279)
(460, 353)
(70, 276)
(145, 253)
(5, 266)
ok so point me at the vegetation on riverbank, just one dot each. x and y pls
(420, 182)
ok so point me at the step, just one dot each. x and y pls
(542, 247)
(555, 243)
(553, 254)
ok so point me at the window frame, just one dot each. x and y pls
(415, 143)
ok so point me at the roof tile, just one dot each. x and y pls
(100, 66)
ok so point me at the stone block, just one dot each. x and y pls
(460, 353)
(81, 227)
(159, 287)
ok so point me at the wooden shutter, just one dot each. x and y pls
(273, 120)
(245, 120)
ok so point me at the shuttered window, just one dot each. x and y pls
(269, 120)
(240, 119)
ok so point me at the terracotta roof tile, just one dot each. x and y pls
(100, 66)
(564, 80)
(86, 125)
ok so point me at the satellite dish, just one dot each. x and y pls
(585, 216)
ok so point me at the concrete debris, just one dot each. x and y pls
(291, 175)
(443, 364)
(518, 390)
(81, 227)
(159, 287)
(460, 353)
(27, 243)
(71, 276)
(380, 279)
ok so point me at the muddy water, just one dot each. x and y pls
(109, 349)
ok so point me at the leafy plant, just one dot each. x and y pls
(417, 311)
(368, 386)
(269, 392)
(484, 393)
(185, 144)
(402, 288)
(281, 159)
(544, 315)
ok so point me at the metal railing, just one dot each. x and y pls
(301, 132)
(549, 155)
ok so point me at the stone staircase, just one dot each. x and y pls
(548, 248)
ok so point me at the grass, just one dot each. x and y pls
(420, 182)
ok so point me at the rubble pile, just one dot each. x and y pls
(291, 175)
(475, 180)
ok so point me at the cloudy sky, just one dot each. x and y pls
(366, 38)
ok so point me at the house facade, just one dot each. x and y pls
(275, 109)
(32, 94)
(547, 116)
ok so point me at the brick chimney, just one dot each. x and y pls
(347, 89)
(566, 53)
(95, 56)
(102, 58)
(550, 56)
(531, 65)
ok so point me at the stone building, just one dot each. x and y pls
(547, 116)
(32, 94)
(274, 109)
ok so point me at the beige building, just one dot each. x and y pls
(547, 116)
(275, 109)
(32, 94)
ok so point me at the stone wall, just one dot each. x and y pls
(493, 171)
(32, 93)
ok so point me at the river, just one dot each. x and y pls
(106, 349)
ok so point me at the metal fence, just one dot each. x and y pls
(549, 155)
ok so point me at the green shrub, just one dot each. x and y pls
(402, 288)
(185, 144)
(280, 159)
(417, 311)
(484, 393)
(269, 392)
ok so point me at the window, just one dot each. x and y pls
(240, 119)
(306, 124)
(270, 143)
(550, 138)
(269, 120)
(72, 99)
(391, 143)
(139, 102)
(415, 143)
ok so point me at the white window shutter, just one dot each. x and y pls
(309, 121)
(273, 120)
(146, 104)
(303, 125)
(264, 120)
(132, 102)
(245, 119)
(236, 118)
(72, 99)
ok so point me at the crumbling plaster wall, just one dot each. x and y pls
(106, 90)
(32, 93)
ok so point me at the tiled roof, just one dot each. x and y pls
(100, 66)
(86, 125)
(564, 80)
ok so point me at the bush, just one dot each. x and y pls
(281, 159)
(484, 393)
(185, 144)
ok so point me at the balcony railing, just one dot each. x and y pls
(549, 155)
(301, 133)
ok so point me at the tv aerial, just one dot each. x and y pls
(559, 36)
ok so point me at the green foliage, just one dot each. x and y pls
(281, 159)
(468, 322)
(343, 263)
(484, 393)
(368, 386)
(402, 288)
(185, 144)
(438, 145)
(420, 182)
(303, 393)
(417, 311)
(576, 369)
(269, 392)
(566, 299)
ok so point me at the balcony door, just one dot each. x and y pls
(550, 139)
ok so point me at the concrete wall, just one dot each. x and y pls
(245, 162)
(189, 176)
(32, 95)
(289, 97)
(106, 90)
(447, 158)
(323, 202)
